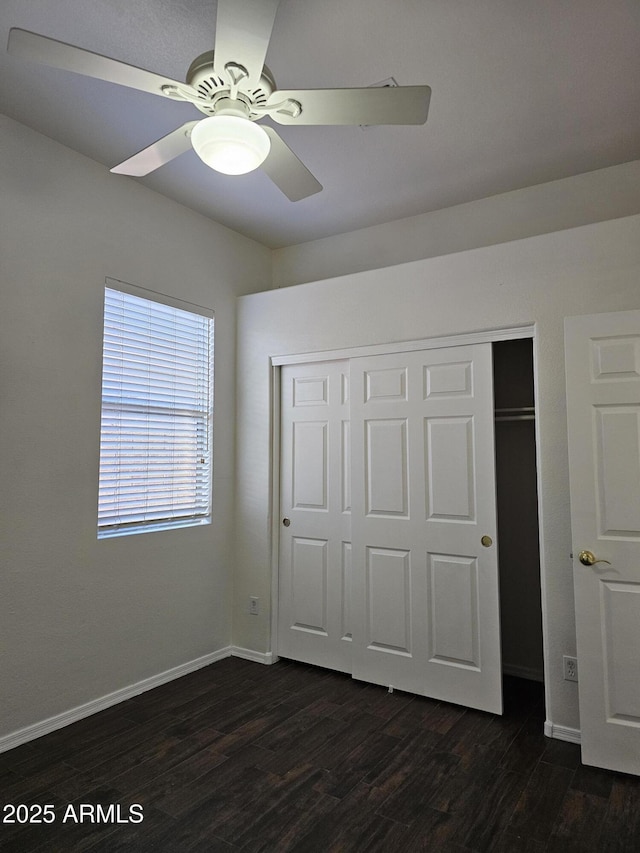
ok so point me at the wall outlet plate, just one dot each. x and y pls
(570, 668)
(254, 605)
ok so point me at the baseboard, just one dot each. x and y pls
(561, 732)
(51, 724)
(250, 654)
(527, 672)
(44, 727)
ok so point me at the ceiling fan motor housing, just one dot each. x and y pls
(213, 90)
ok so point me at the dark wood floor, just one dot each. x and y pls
(240, 756)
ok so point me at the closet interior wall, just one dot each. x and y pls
(517, 502)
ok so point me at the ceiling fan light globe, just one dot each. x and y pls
(230, 144)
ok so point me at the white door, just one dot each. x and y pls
(603, 402)
(315, 549)
(425, 588)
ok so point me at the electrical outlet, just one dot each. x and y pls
(570, 666)
(254, 605)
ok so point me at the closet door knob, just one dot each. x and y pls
(587, 558)
(487, 541)
(286, 521)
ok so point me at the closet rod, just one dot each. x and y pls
(502, 418)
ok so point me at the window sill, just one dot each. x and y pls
(132, 530)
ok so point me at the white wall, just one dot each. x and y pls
(537, 280)
(580, 200)
(81, 618)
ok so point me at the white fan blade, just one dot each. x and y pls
(372, 105)
(243, 30)
(57, 54)
(286, 171)
(156, 155)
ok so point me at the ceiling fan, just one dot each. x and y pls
(233, 87)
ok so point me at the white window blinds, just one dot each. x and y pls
(157, 406)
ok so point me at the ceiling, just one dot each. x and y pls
(523, 92)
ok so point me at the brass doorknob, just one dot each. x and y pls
(587, 558)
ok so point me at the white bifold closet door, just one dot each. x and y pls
(395, 583)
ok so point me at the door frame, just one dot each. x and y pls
(278, 361)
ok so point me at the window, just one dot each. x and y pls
(157, 407)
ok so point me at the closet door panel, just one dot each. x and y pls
(309, 583)
(453, 590)
(425, 589)
(310, 474)
(388, 604)
(450, 469)
(386, 473)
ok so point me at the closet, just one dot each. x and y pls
(517, 498)
(388, 557)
